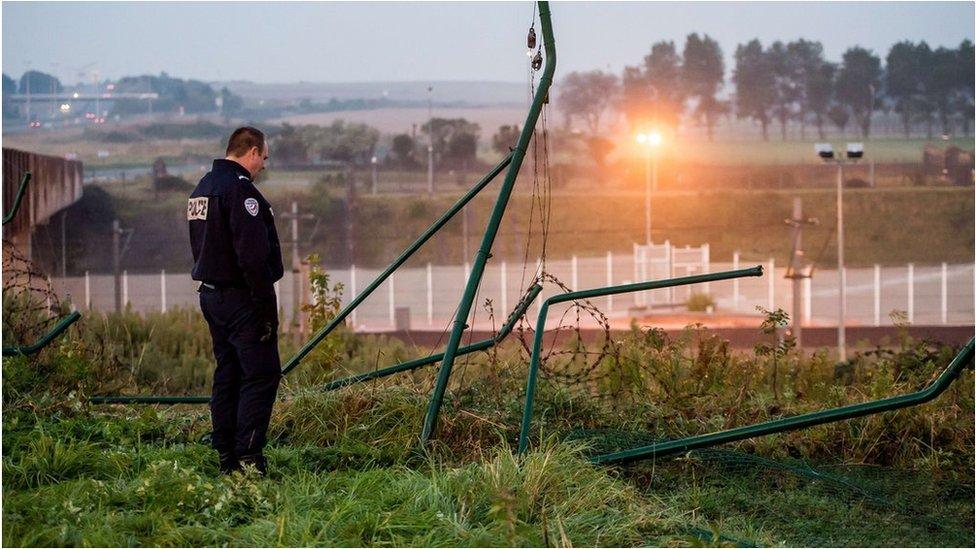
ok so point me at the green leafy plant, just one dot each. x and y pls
(775, 323)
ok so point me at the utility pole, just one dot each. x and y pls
(350, 215)
(64, 253)
(296, 265)
(799, 268)
(116, 263)
(841, 274)
(464, 232)
(430, 141)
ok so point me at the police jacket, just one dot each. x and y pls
(232, 233)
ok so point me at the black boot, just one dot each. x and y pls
(257, 461)
(228, 462)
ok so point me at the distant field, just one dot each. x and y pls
(401, 120)
(691, 149)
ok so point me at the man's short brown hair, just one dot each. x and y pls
(243, 139)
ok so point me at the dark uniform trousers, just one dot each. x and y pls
(248, 369)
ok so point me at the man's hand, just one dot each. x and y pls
(268, 318)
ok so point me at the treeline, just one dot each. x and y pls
(780, 84)
(175, 94)
(454, 141)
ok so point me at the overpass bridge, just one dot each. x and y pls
(56, 183)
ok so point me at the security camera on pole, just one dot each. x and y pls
(855, 151)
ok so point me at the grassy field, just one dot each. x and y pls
(693, 150)
(346, 468)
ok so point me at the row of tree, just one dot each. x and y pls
(192, 96)
(454, 140)
(781, 83)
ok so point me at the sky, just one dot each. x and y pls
(429, 41)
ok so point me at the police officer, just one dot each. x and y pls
(237, 259)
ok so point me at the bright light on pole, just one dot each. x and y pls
(651, 141)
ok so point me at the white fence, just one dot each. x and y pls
(940, 294)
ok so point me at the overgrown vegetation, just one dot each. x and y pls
(347, 469)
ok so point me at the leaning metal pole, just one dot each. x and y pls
(540, 327)
(421, 240)
(671, 447)
(484, 252)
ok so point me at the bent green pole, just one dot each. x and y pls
(663, 449)
(421, 240)
(599, 292)
(7, 218)
(427, 360)
(484, 251)
(46, 340)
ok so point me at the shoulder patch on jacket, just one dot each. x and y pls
(196, 208)
(251, 205)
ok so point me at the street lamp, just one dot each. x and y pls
(430, 141)
(651, 141)
(373, 162)
(854, 152)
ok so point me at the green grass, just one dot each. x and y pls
(346, 467)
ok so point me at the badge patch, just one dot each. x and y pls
(251, 205)
(196, 208)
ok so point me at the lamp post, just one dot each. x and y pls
(373, 162)
(855, 151)
(651, 141)
(430, 141)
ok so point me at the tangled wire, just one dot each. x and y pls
(31, 306)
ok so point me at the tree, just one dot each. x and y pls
(903, 79)
(403, 148)
(839, 115)
(807, 62)
(786, 92)
(9, 88)
(230, 104)
(588, 95)
(506, 138)
(290, 147)
(964, 65)
(941, 83)
(662, 71)
(858, 85)
(193, 96)
(599, 148)
(754, 84)
(703, 72)
(35, 82)
(819, 94)
(653, 95)
(455, 140)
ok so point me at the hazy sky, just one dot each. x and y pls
(380, 41)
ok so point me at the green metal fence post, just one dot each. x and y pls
(484, 251)
(7, 218)
(540, 326)
(46, 339)
(671, 447)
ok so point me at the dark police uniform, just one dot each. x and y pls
(237, 259)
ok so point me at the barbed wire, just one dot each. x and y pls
(31, 306)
